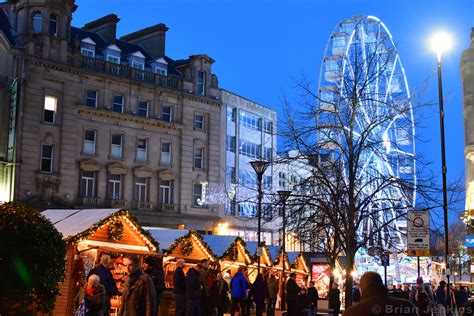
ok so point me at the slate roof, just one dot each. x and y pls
(6, 27)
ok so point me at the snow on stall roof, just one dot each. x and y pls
(165, 236)
(72, 222)
(219, 244)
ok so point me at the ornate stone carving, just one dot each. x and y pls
(47, 185)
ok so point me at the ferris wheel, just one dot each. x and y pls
(361, 62)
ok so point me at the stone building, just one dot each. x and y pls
(108, 122)
(467, 77)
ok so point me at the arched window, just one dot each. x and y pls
(53, 25)
(37, 20)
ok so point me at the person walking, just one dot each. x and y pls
(463, 297)
(238, 287)
(441, 298)
(222, 295)
(106, 279)
(138, 296)
(206, 286)
(419, 296)
(355, 293)
(258, 293)
(179, 285)
(376, 301)
(292, 292)
(334, 299)
(272, 286)
(193, 293)
(313, 297)
(153, 266)
(93, 296)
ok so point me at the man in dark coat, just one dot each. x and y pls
(106, 279)
(154, 268)
(193, 293)
(292, 292)
(179, 282)
(138, 297)
(375, 300)
(313, 297)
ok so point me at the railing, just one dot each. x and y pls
(90, 201)
(131, 73)
(118, 204)
(166, 207)
(141, 205)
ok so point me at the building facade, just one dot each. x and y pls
(107, 122)
(467, 77)
(249, 135)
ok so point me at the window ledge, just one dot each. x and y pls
(89, 155)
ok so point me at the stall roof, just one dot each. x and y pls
(219, 244)
(165, 236)
(274, 251)
(72, 222)
(292, 256)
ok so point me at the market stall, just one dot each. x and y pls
(265, 259)
(89, 233)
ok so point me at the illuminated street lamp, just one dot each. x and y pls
(259, 166)
(441, 43)
(284, 195)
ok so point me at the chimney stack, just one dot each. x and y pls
(152, 39)
(105, 26)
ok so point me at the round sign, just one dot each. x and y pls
(418, 222)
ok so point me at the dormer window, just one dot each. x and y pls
(138, 65)
(88, 47)
(53, 25)
(112, 54)
(37, 21)
(160, 66)
(201, 83)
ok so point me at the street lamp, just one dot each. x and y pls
(284, 195)
(259, 166)
(441, 43)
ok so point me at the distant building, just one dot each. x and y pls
(250, 135)
(467, 77)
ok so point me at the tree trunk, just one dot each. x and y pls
(349, 279)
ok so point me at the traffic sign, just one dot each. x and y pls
(385, 258)
(418, 234)
(469, 241)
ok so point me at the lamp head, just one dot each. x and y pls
(259, 166)
(284, 195)
(441, 42)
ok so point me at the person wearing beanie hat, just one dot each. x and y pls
(421, 298)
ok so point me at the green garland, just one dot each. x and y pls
(110, 219)
(231, 252)
(186, 236)
(186, 247)
(116, 231)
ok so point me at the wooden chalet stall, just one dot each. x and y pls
(266, 261)
(298, 265)
(231, 252)
(89, 233)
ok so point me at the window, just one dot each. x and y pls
(249, 149)
(268, 154)
(115, 187)
(198, 121)
(142, 149)
(267, 126)
(249, 120)
(160, 71)
(117, 105)
(231, 114)
(36, 22)
(47, 158)
(230, 143)
(198, 158)
(167, 114)
(89, 142)
(91, 98)
(50, 108)
(197, 195)
(267, 182)
(117, 141)
(141, 189)
(248, 178)
(230, 175)
(53, 25)
(138, 65)
(113, 59)
(201, 83)
(166, 192)
(143, 108)
(166, 153)
(88, 52)
(88, 183)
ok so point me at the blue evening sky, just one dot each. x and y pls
(259, 45)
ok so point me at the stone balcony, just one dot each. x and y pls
(122, 204)
(168, 208)
(89, 201)
(142, 206)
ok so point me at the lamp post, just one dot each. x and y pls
(259, 166)
(284, 195)
(441, 42)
